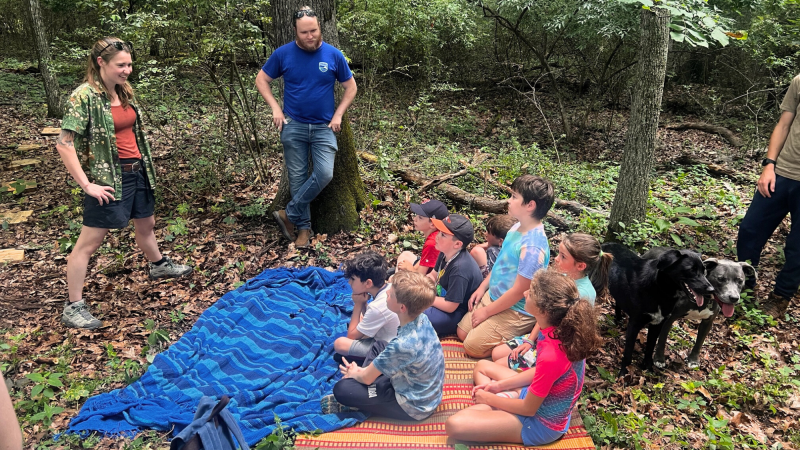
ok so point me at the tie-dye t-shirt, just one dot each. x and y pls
(414, 361)
(521, 254)
(556, 380)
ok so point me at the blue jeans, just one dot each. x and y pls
(762, 218)
(299, 141)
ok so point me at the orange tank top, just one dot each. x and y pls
(124, 119)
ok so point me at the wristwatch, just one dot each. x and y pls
(766, 161)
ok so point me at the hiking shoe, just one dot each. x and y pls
(303, 238)
(77, 315)
(775, 305)
(286, 227)
(330, 405)
(169, 269)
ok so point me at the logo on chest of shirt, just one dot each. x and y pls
(323, 67)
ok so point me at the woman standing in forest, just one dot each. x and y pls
(104, 148)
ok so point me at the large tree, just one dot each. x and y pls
(54, 104)
(630, 199)
(337, 206)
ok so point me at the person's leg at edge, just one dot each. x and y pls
(89, 241)
(144, 232)
(380, 401)
(486, 371)
(762, 218)
(444, 323)
(323, 153)
(479, 423)
(788, 279)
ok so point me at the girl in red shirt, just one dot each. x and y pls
(512, 408)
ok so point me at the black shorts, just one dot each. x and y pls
(137, 202)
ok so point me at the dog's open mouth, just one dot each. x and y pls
(697, 297)
(727, 308)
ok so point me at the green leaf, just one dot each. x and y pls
(709, 22)
(662, 225)
(688, 221)
(37, 390)
(682, 210)
(677, 37)
(720, 36)
(676, 239)
(35, 377)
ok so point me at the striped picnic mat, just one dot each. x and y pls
(383, 433)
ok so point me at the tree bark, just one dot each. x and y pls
(630, 198)
(55, 106)
(337, 206)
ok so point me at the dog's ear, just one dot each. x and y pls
(749, 271)
(668, 258)
(710, 264)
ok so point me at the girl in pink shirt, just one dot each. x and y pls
(534, 407)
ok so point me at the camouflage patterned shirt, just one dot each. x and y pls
(88, 114)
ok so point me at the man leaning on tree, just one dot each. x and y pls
(777, 194)
(310, 69)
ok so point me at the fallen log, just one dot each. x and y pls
(484, 204)
(571, 206)
(713, 168)
(449, 176)
(727, 134)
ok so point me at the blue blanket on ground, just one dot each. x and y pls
(268, 345)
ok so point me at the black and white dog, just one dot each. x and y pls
(727, 278)
(647, 290)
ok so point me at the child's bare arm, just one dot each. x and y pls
(359, 308)
(506, 301)
(364, 375)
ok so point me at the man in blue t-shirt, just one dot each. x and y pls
(310, 69)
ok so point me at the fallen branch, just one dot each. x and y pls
(713, 169)
(447, 177)
(453, 193)
(573, 207)
(708, 128)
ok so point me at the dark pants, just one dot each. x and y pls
(378, 398)
(761, 220)
(443, 322)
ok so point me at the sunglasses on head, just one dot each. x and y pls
(305, 12)
(119, 45)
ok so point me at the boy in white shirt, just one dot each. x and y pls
(367, 275)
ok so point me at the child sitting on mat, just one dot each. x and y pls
(367, 274)
(542, 412)
(404, 379)
(579, 254)
(423, 213)
(485, 254)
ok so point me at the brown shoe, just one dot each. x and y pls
(303, 238)
(775, 305)
(286, 227)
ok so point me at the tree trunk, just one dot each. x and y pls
(630, 199)
(53, 93)
(337, 206)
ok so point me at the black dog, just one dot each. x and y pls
(648, 289)
(727, 278)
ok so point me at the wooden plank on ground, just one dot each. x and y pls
(29, 147)
(48, 131)
(13, 186)
(13, 165)
(11, 255)
(14, 217)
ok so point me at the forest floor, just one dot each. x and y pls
(745, 394)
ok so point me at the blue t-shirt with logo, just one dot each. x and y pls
(521, 254)
(308, 80)
(414, 361)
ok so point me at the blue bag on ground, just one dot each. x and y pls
(213, 428)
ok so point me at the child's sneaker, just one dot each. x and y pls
(76, 315)
(331, 406)
(169, 269)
